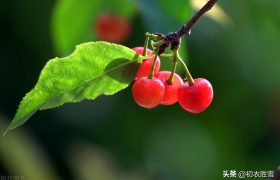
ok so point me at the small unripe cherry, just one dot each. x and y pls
(146, 66)
(171, 90)
(148, 93)
(196, 98)
(112, 27)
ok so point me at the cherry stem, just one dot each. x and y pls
(153, 36)
(151, 75)
(170, 79)
(146, 43)
(188, 75)
(148, 56)
(167, 55)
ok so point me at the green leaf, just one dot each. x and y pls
(72, 20)
(93, 69)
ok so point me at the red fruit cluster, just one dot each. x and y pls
(149, 93)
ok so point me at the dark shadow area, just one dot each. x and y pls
(122, 70)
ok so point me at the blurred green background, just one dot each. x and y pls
(112, 138)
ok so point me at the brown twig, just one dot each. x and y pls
(172, 39)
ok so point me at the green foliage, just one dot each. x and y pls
(93, 69)
(72, 21)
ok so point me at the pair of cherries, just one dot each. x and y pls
(149, 93)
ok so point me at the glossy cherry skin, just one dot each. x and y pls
(146, 65)
(171, 90)
(196, 98)
(112, 27)
(148, 93)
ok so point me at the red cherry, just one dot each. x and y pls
(146, 65)
(148, 93)
(171, 90)
(196, 98)
(112, 28)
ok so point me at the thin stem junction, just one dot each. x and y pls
(161, 42)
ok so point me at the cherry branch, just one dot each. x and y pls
(187, 27)
(172, 39)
